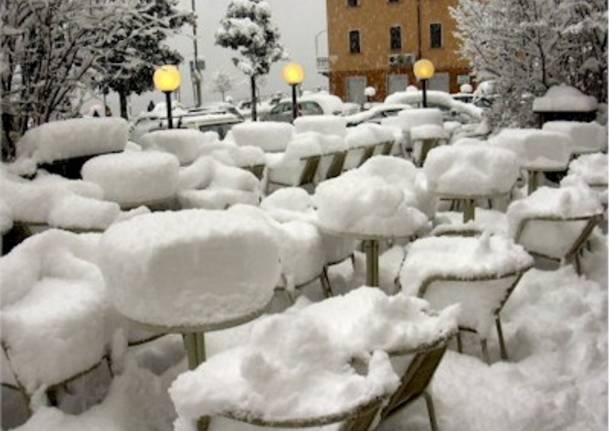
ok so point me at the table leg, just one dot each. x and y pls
(469, 207)
(532, 183)
(371, 247)
(194, 344)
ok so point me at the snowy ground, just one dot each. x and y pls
(555, 325)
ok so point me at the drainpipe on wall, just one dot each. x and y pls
(419, 19)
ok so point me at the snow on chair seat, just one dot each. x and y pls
(479, 273)
(52, 290)
(136, 178)
(262, 384)
(555, 223)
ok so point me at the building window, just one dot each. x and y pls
(436, 35)
(396, 38)
(354, 42)
(353, 3)
(393, 1)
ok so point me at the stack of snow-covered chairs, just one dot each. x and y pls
(62, 147)
(479, 273)
(555, 223)
(470, 173)
(367, 140)
(306, 368)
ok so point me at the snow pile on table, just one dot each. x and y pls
(536, 149)
(288, 369)
(471, 170)
(371, 320)
(385, 196)
(55, 201)
(324, 124)
(294, 203)
(190, 267)
(584, 137)
(465, 258)
(593, 168)
(77, 137)
(267, 135)
(563, 98)
(185, 144)
(231, 154)
(552, 238)
(210, 184)
(54, 308)
(134, 178)
(428, 131)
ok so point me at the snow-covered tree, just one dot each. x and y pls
(222, 83)
(247, 28)
(128, 68)
(526, 46)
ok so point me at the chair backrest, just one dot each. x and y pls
(555, 237)
(257, 170)
(353, 158)
(308, 174)
(368, 153)
(336, 165)
(481, 297)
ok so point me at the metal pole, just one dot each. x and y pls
(371, 248)
(197, 72)
(295, 112)
(469, 209)
(168, 102)
(424, 98)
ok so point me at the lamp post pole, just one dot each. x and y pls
(423, 70)
(295, 111)
(168, 102)
(424, 98)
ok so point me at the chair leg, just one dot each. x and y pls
(485, 351)
(503, 351)
(352, 258)
(577, 264)
(431, 412)
(459, 342)
(325, 282)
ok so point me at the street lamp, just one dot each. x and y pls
(423, 70)
(167, 80)
(294, 75)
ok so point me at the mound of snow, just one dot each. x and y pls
(584, 137)
(191, 267)
(77, 137)
(428, 131)
(368, 134)
(593, 168)
(324, 124)
(563, 98)
(134, 178)
(267, 135)
(536, 149)
(471, 170)
(185, 144)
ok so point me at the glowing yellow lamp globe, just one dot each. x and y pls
(167, 78)
(293, 74)
(423, 69)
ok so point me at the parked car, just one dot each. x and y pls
(453, 110)
(376, 113)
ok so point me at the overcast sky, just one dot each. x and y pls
(298, 21)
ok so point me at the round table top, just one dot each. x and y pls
(206, 327)
(362, 235)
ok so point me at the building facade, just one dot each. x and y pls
(375, 43)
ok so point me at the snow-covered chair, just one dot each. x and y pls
(210, 184)
(136, 178)
(274, 378)
(469, 173)
(478, 273)
(62, 147)
(593, 170)
(56, 318)
(555, 223)
(270, 136)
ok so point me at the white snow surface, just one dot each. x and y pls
(77, 137)
(324, 124)
(563, 98)
(173, 268)
(470, 170)
(464, 257)
(54, 308)
(385, 196)
(584, 137)
(592, 168)
(134, 178)
(428, 131)
(536, 149)
(267, 135)
(185, 144)
(368, 134)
